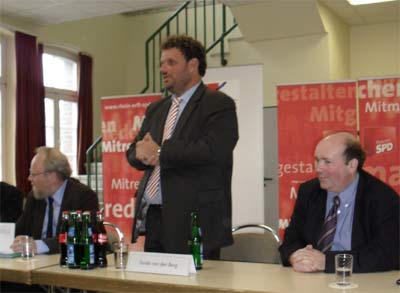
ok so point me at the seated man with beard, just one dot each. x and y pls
(53, 191)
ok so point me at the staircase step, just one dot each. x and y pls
(99, 168)
(83, 179)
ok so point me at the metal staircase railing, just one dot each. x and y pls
(199, 27)
(179, 22)
(93, 155)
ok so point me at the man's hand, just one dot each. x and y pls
(138, 245)
(147, 150)
(307, 260)
(16, 245)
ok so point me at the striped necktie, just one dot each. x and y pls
(154, 180)
(329, 228)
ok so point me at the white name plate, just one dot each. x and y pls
(161, 263)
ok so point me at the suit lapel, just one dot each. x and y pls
(40, 211)
(192, 104)
(65, 204)
(319, 210)
(357, 230)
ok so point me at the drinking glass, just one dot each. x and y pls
(120, 255)
(343, 268)
(26, 247)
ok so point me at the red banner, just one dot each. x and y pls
(306, 113)
(122, 118)
(379, 108)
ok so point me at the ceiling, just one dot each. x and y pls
(47, 12)
(364, 14)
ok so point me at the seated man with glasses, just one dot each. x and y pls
(53, 191)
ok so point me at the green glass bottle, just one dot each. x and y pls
(196, 243)
(73, 242)
(87, 246)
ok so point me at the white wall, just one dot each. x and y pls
(248, 165)
(375, 50)
(339, 44)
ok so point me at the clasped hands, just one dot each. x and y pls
(147, 151)
(16, 246)
(307, 260)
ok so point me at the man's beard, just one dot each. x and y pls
(38, 194)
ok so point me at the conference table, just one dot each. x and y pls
(20, 271)
(216, 276)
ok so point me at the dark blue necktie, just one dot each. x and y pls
(329, 228)
(49, 232)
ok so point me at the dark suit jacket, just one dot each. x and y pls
(196, 169)
(76, 197)
(11, 200)
(375, 230)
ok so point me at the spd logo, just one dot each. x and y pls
(384, 147)
(379, 140)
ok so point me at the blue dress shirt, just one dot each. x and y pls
(57, 197)
(345, 213)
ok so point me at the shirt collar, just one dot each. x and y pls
(59, 194)
(188, 94)
(348, 195)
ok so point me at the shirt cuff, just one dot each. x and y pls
(41, 247)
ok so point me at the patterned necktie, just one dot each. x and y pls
(328, 230)
(154, 180)
(49, 232)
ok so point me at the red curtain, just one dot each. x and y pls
(85, 111)
(30, 126)
(41, 88)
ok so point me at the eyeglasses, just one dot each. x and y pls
(37, 174)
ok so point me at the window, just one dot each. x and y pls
(61, 103)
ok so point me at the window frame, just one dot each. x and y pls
(57, 95)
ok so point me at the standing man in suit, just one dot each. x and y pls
(187, 159)
(364, 209)
(50, 178)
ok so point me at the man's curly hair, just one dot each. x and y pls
(189, 47)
